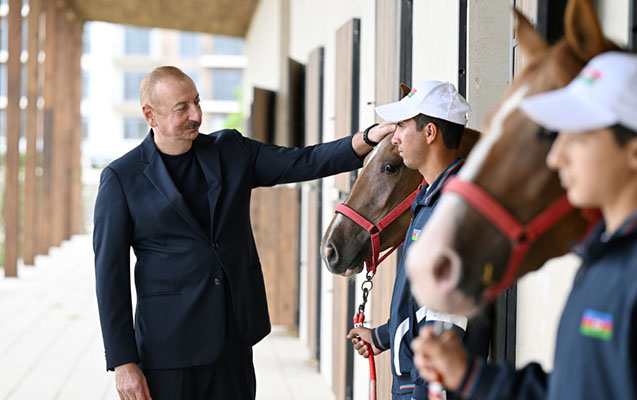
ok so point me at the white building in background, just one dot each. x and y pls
(116, 58)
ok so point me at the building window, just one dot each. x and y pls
(135, 127)
(136, 41)
(4, 34)
(132, 83)
(85, 85)
(85, 128)
(86, 39)
(227, 45)
(188, 44)
(226, 84)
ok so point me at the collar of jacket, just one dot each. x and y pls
(427, 197)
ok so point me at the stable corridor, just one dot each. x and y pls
(51, 345)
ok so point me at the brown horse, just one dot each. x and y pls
(383, 183)
(472, 249)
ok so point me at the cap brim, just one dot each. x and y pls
(562, 110)
(396, 112)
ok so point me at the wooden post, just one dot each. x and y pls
(11, 206)
(30, 193)
(75, 168)
(50, 87)
(59, 139)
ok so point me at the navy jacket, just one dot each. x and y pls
(596, 349)
(406, 317)
(180, 313)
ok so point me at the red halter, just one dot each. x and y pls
(375, 229)
(521, 236)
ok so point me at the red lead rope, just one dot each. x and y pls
(372, 264)
(359, 318)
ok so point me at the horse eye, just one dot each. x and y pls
(547, 135)
(389, 168)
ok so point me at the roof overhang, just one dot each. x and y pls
(220, 17)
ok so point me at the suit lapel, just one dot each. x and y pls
(208, 157)
(157, 173)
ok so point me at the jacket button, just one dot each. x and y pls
(217, 281)
(215, 245)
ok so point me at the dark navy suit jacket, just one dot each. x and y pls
(180, 312)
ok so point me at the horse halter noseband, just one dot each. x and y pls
(521, 236)
(375, 229)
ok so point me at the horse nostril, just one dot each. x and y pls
(330, 254)
(442, 268)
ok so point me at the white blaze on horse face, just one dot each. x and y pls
(372, 155)
(434, 283)
(475, 160)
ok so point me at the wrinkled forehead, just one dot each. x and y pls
(170, 91)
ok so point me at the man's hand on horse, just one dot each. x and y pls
(444, 355)
(375, 134)
(360, 334)
(130, 383)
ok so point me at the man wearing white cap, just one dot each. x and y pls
(595, 154)
(430, 122)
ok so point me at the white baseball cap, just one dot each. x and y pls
(602, 95)
(432, 98)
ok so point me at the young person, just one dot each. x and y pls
(430, 122)
(595, 154)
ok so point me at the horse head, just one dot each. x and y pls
(492, 225)
(383, 184)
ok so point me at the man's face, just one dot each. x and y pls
(177, 111)
(592, 167)
(410, 142)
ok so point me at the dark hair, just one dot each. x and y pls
(622, 134)
(451, 132)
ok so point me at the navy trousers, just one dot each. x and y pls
(230, 377)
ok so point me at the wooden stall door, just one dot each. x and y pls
(393, 66)
(274, 213)
(262, 115)
(347, 92)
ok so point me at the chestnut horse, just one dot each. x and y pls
(383, 184)
(485, 233)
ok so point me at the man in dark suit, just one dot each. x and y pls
(181, 200)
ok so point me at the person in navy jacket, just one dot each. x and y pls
(431, 121)
(595, 154)
(181, 201)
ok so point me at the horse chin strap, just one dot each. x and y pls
(521, 236)
(375, 229)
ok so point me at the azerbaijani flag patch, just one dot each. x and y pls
(415, 234)
(596, 324)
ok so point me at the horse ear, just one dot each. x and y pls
(404, 89)
(467, 141)
(582, 30)
(530, 41)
